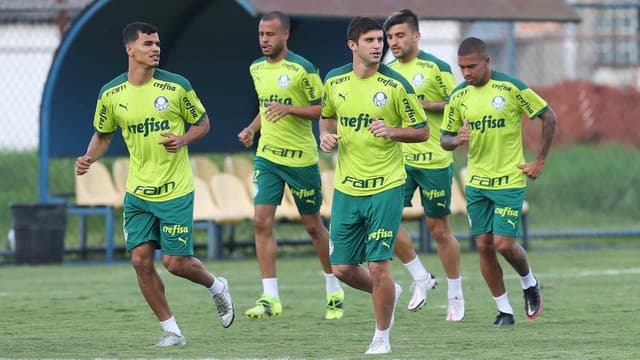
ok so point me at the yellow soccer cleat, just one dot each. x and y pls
(266, 306)
(335, 305)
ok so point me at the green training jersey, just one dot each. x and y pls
(432, 80)
(162, 105)
(368, 165)
(494, 112)
(293, 81)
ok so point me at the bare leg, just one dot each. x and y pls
(149, 281)
(513, 253)
(266, 246)
(383, 293)
(188, 267)
(319, 237)
(404, 247)
(356, 276)
(448, 247)
(489, 265)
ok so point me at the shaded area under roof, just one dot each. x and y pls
(465, 10)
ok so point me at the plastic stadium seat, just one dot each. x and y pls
(120, 170)
(238, 165)
(203, 167)
(96, 188)
(231, 197)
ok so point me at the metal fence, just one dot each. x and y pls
(603, 49)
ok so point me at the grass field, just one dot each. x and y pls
(96, 311)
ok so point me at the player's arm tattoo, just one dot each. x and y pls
(548, 128)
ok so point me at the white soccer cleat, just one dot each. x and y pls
(171, 339)
(420, 289)
(455, 309)
(378, 346)
(393, 314)
(224, 304)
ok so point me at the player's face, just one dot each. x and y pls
(402, 41)
(475, 69)
(145, 50)
(272, 37)
(369, 47)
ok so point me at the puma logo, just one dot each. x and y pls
(310, 201)
(385, 244)
(124, 106)
(343, 96)
(184, 241)
(443, 205)
(513, 223)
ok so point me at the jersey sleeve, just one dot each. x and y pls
(191, 107)
(447, 84)
(452, 120)
(103, 120)
(312, 86)
(410, 109)
(531, 103)
(328, 110)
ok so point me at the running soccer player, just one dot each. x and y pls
(428, 166)
(151, 107)
(485, 112)
(367, 111)
(289, 92)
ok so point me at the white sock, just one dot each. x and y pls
(332, 283)
(454, 288)
(216, 287)
(270, 287)
(170, 325)
(528, 280)
(384, 334)
(417, 270)
(502, 302)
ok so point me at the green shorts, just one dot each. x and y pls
(269, 179)
(167, 223)
(495, 211)
(364, 228)
(435, 189)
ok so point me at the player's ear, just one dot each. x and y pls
(352, 45)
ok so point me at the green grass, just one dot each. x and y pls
(97, 311)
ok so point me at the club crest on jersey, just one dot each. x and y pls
(161, 103)
(284, 81)
(417, 80)
(380, 99)
(498, 102)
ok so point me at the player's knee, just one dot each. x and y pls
(261, 224)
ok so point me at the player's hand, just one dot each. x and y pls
(246, 137)
(173, 143)
(379, 129)
(275, 111)
(464, 134)
(533, 170)
(82, 164)
(328, 142)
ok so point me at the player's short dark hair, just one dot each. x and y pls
(360, 25)
(282, 17)
(472, 45)
(131, 31)
(402, 16)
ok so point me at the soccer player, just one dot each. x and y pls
(428, 166)
(367, 111)
(289, 92)
(485, 112)
(151, 107)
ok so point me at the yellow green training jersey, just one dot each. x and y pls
(494, 112)
(368, 165)
(162, 105)
(293, 81)
(432, 80)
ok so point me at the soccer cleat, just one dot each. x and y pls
(504, 319)
(335, 305)
(420, 289)
(266, 306)
(533, 301)
(393, 314)
(455, 309)
(378, 346)
(224, 304)
(171, 339)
